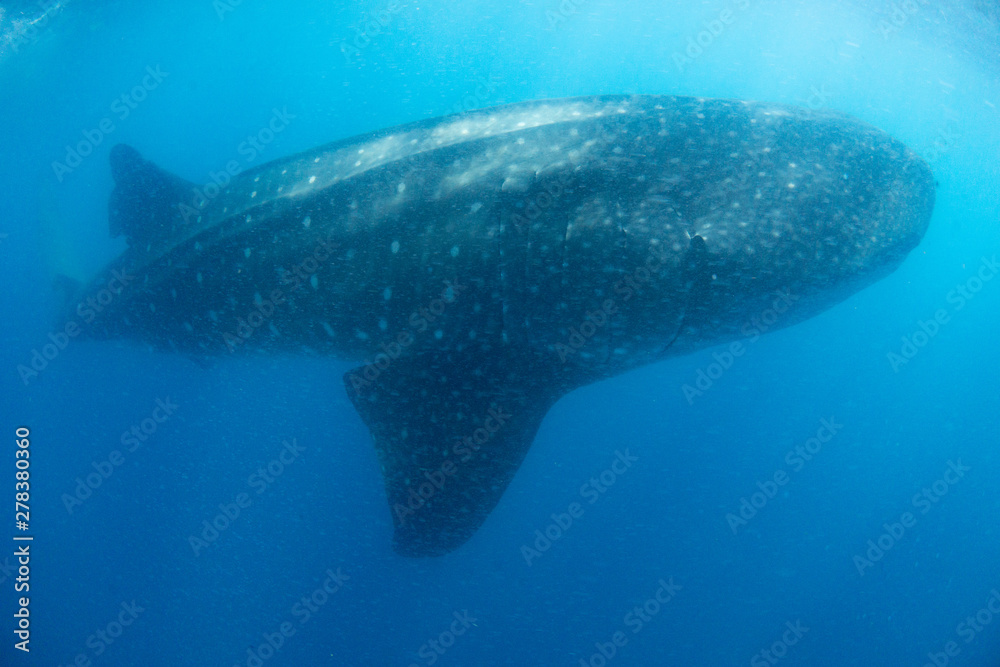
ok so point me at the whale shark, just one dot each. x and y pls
(480, 266)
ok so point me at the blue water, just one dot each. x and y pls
(793, 579)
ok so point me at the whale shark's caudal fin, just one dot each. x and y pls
(144, 205)
(450, 429)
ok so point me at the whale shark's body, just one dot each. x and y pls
(480, 266)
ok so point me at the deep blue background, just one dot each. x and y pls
(932, 79)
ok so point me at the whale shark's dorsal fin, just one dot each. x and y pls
(451, 429)
(144, 204)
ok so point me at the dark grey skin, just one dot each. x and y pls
(481, 266)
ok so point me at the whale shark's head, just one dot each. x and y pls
(812, 203)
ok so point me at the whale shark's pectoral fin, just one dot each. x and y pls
(147, 201)
(450, 429)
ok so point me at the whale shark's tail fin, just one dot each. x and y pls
(144, 204)
(450, 429)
